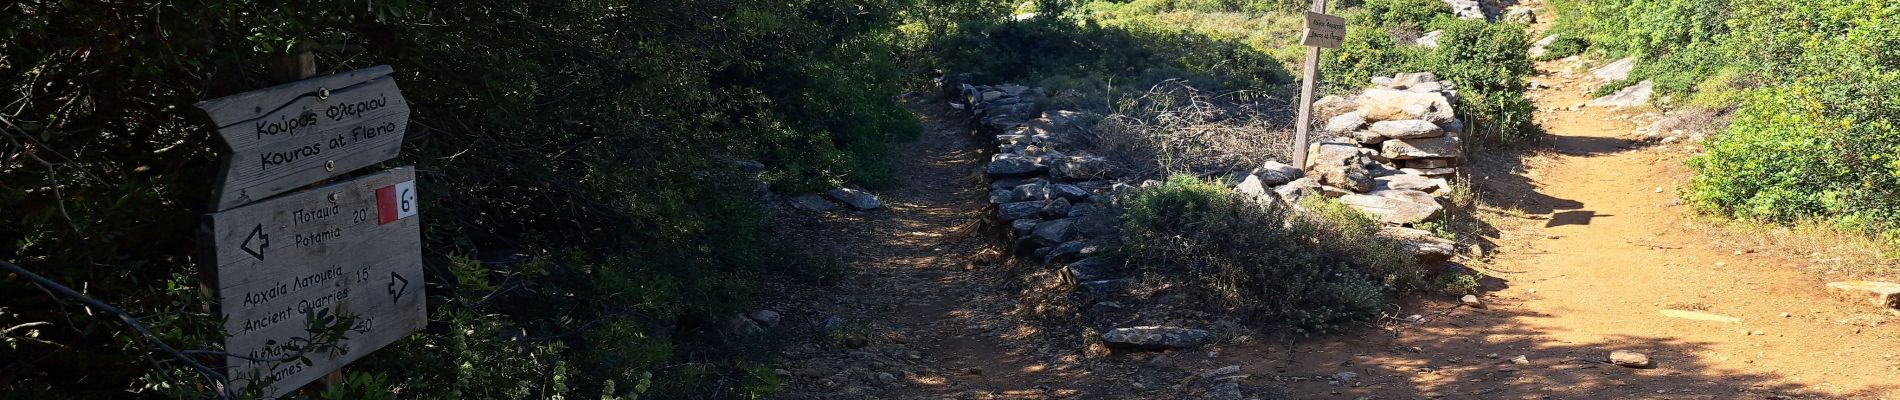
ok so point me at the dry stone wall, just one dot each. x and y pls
(1396, 146)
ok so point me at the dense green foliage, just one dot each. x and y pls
(1487, 61)
(584, 220)
(1313, 270)
(1128, 55)
(1814, 137)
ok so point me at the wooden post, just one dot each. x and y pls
(293, 66)
(1309, 77)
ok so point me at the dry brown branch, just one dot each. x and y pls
(1176, 128)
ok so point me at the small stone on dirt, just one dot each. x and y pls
(1345, 377)
(1630, 359)
(768, 318)
(1883, 294)
(1156, 337)
(1471, 301)
(1222, 371)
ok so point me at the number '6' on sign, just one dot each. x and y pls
(395, 202)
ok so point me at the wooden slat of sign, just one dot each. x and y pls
(288, 136)
(352, 247)
(1323, 30)
(256, 103)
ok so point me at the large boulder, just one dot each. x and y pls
(1092, 269)
(1425, 247)
(1615, 70)
(1403, 181)
(1429, 39)
(1019, 210)
(1406, 149)
(1396, 206)
(1274, 173)
(1520, 15)
(1156, 337)
(1345, 123)
(811, 202)
(1006, 164)
(1471, 9)
(1071, 192)
(1538, 48)
(858, 199)
(1408, 80)
(1292, 192)
(1408, 129)
(1395, 104)
(1340, 165)
(1084, 168)
(1332, 106)
(1035, 190)
(1634, 95)
(1053, 232)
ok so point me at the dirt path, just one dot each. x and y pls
(1591, 245)
(1599, 248)
(938, 317)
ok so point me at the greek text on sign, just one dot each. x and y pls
(340, 248)
(281, 138)
(1323, 30)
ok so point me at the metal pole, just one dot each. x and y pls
(1310, 77)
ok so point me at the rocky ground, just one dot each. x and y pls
(1600, 286)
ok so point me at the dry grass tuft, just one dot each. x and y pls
(1177, 128)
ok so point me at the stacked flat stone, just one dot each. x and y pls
(1052, 192)
(1047, 186)
(1395, 145)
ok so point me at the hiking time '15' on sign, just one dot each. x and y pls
(350, 249)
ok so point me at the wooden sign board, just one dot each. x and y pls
(284, 137)
(1323, 30)
(352, 248)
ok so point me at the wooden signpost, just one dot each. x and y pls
(1322, 31)
(284, 137)
(350, 249)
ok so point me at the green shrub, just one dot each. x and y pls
(1564, 46)
(1313, 271)
(1487, 62)
(1132, 55)
(1413, 15)
(1818, 140)
(1366, 53)
(595, 138)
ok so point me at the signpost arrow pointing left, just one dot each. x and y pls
(395, 293)
(263, 241)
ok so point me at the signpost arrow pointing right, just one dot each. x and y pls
(395, 293)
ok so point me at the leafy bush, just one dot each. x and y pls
(1135, 54)
(1413, 15)
(1314, 270)
(1487, 62)
(1564, 46)
(1814, 139)
(1820, 140)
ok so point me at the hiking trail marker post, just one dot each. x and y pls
(350, 248)
(1322, 31)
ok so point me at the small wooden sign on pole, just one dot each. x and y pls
(350, 248)
(1321, 31)
(284, 137)
(1324, 30)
